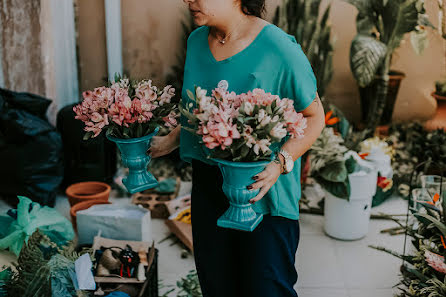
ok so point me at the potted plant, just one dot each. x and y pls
(440, 85)
(349, 184)
(240, 133)
(131, 112)
(440, 90)
(381, 26)
(423, 270)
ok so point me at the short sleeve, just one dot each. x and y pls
(299, 80)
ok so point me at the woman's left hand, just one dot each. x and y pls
(265, 180)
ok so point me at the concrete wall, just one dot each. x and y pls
(92, 53)
(21, 45)
(151, 37)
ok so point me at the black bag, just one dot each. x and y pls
(30, 149)
(85, 160)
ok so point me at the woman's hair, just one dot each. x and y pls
(253, 7)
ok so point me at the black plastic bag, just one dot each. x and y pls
(30, 149)
(85, 160)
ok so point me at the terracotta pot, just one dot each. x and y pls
(83, 205)
(87, 191)
(438, 121)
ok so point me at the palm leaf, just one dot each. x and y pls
(437, 223)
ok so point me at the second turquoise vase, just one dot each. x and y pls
(133, 155)
(236, 177)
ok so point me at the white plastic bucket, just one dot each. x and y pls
(349, 220)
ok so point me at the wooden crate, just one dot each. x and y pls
(150, 289)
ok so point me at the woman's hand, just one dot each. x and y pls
(265, 180)
(163, 145)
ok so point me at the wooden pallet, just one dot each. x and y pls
(181, 230)
(156, 202)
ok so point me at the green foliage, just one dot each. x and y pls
(312, 31)
(187, 286)
(367, 55)
(440, 87)
(427, 232)
(328, 166)
(412, 145)
(381, 26)
(39, 261)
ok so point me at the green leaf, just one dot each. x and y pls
(88, 135)
(338, 189)
(366, 55)
(244, 151)
(334, 172)
(399, 18)
(190, 95)
(350, 164)
(419, 41)
(434, 221)
(139, 132)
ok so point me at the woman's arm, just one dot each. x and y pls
(295, 147)
(315, 123)
(163, 145)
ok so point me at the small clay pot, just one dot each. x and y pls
(83, 205)
(84, 191)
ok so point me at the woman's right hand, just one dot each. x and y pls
(163, 145)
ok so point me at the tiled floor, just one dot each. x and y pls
(327, 267)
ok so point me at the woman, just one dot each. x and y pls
(236, 48)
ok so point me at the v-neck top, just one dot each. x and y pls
(273, 61)
(235, 56)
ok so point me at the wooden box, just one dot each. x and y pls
(151, 288)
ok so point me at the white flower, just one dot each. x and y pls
(261, 115)
(248, 107)
(265, 121)
(263, 145)
(278, 131)
(200, 93)
(263, 118)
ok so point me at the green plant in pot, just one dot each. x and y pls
(381, 26)
(440, 89)
(440, 85)
(328, 166)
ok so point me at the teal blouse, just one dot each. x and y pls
(275, 62)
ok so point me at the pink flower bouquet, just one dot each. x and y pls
(242, 128)
(131, 113)
(127, 109)
(240, 132)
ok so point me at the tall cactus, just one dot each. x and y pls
(301, 19)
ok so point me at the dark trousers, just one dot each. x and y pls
(233, 263)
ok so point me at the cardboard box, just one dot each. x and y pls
(114, 221)
(151, 289)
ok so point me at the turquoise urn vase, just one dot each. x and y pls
(236, 177)
(134, 157)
